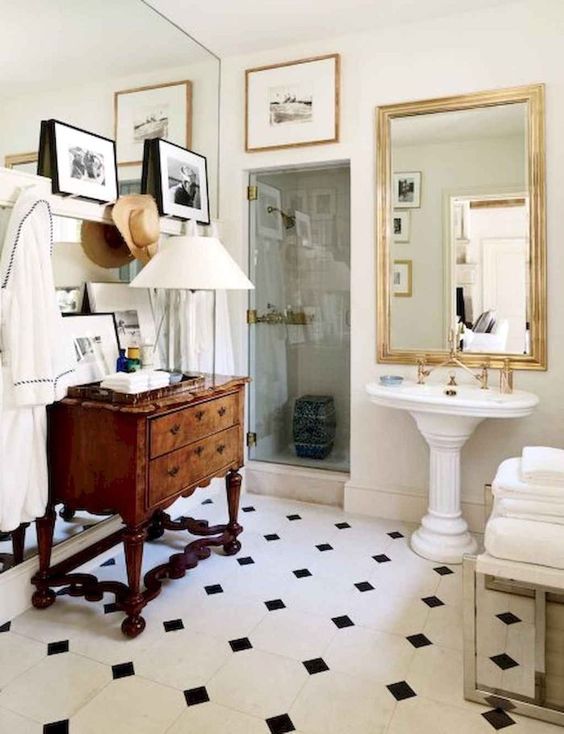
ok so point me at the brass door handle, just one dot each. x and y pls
(221, 448)
(222, 411)
(173, 471)
(200, 414)
(175, 429)
(199, 450)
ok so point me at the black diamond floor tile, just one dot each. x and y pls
(214, 589)
(271, 536)
(110, 608)
(382, 558)
(443, 570)
(243, 643)
(504, 661)
(419, 640)
(274, 604)
(109, 562)
(122, 670)
(395, 534)
(246, 561)
(400, 691)
(508, 618)
(57, 727)
(194, 696)
(56, 648)
(498, 719)
(301, 573)
(364, 586)
(249, 508)
(342, 622)
(317, 665)
(294, 517)
(280, 724)
(432, 601)
(5, 627)
(342, 525)
(324, 547)
(173, 625)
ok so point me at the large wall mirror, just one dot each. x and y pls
(67, 60)
(461, 229)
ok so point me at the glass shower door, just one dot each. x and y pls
(299, 317)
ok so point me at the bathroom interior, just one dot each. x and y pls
(351, 367)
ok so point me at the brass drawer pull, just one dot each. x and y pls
(222, 411)
(173, 471)
(221, 448)
(175, 429)
(200, 414)
(199, 450)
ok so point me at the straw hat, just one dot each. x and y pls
(137, 219)
(103, 245)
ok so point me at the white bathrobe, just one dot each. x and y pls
(36, 361)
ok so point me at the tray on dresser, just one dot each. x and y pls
(94, 391)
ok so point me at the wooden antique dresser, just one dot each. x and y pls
(136, 460)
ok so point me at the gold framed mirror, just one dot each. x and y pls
(461, 243)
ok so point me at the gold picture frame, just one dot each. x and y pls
(334, 125)
(533, 96)
(184, 130)
(407, 292)
(20, 159)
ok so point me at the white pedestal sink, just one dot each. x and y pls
(446, 423)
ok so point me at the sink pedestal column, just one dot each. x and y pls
(443, 535)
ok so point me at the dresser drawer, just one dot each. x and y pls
(185, 426)
(171, 473)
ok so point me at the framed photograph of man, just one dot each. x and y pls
(78, 162)
(407, 190)
(158, 111)
(400, 226)
(178, 179)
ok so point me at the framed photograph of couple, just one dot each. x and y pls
(292, 104)
(158, 111)
(78, 162)
(178, 179)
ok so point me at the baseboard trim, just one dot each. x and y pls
(295, 482)
(392, 504)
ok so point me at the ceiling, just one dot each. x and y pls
(243, 26)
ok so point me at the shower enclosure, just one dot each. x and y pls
(299, 400)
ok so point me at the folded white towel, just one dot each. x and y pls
(529, 510)
(543, 465)
(525, 541)
(508, 482)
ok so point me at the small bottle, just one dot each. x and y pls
(133, 359)
(121, 364)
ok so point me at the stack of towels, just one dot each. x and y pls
(527, 522)
(136, 382)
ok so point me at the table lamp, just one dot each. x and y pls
(194, 263)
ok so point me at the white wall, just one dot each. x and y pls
(486, 49)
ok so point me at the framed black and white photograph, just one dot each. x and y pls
(178, 178)
(323, 203)
(132, 308)
(292, 104)
(303, 229)
(400, 226)
(157, 111)
(95, 343)
(407, 190)
(402, 278)
(69, 300)
(269, 217)
(79, 163)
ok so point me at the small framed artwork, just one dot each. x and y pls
(295, 199)
(178, 179)
(132, 308)
(402, 278)
(407, 190)
(69, 300)
(303, 229)
(23, 162)
(292, 104)
(400, 226)
(323, 203)
(95, 342)
(78, 162)
(269, 216)
(159, 111)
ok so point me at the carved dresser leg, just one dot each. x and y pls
(233, 486)
(18, 543)
(43, 596)
(133, 540)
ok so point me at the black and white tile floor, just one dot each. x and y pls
(324, 624)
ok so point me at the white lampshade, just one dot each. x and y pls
(192, 263)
